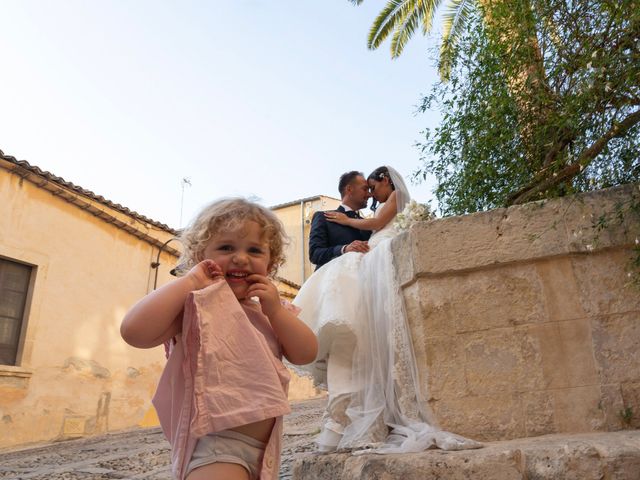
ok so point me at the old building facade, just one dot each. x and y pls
(71, 264)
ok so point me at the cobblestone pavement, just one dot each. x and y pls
(140, 454)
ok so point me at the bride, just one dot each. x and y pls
(354, 305)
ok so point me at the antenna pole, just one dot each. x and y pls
(185, 181)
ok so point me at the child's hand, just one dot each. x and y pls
(266, 292)
(205, 273)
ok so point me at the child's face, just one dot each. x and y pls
(240, 253)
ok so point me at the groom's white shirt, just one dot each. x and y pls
(346, 209)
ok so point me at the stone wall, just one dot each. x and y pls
(525, 320)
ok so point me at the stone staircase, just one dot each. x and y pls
(587, 456)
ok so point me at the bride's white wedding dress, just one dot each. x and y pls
(355, 307)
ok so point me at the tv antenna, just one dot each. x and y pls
(185, 181)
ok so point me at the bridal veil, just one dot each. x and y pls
(388, 413)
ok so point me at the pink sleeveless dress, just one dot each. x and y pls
(223, 371)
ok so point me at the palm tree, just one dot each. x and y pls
(401, 18)
(511, 25)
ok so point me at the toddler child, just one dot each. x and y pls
(223, 392)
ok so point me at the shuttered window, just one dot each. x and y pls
(14, 287)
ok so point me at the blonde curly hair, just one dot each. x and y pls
(229, 214)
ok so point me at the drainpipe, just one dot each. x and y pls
(302, 241)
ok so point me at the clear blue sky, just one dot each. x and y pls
(272, 99)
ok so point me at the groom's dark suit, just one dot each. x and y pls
(326, 239)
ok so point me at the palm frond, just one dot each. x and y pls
(454, 21)
(455, 17)
(387, 21)
(428, 9)
(404, 32)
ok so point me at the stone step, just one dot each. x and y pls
(588, 456)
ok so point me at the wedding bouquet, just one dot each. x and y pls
(413, 212)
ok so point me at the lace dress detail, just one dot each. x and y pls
(330, 302)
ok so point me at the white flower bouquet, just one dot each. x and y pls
(413, 212)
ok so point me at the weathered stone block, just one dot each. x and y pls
(604, 284)
(521, 233)
(612, 406)
(502, 361)
(477, 301)
(578, 409)
(434, 464)
(538, 411)
(567, 354)
(426, 318)
(482, 418)
(444, 375)
(629, 415)
(560, 290)
(616, 340)
(582, 214)
(487, 238)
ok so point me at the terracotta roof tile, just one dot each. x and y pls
(23, 164)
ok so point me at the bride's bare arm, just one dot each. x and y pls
(387, 213)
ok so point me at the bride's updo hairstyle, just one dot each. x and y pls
(378, 175)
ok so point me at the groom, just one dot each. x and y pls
(328, 240)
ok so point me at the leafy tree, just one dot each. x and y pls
(560, 78)
(543, 100)
(511, 25)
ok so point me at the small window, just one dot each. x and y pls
(14, 287)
